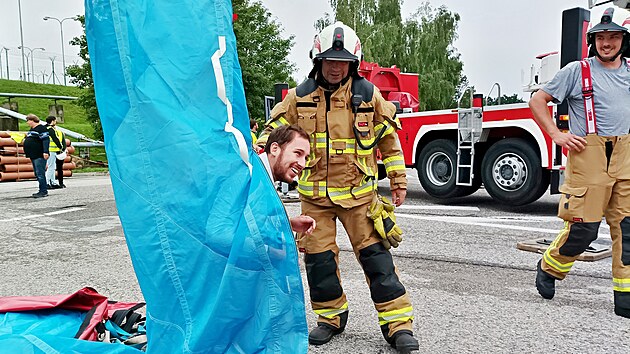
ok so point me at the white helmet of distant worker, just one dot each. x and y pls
(611, 21)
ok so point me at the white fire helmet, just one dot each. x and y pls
(337, 42)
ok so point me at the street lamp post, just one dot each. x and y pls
(6, 56)
(21, 35)
(28, 69)
(31, 53)
(63, 55)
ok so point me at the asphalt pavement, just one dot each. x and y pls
(472, 290)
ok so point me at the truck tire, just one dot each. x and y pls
(436, 170)
(512, 173)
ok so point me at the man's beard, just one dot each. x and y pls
(279, 170)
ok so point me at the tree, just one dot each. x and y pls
(81, 75)
(261, 50)
(505, 99)
(422, 44)
(262, 53)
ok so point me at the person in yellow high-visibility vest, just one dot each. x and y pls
(57, 147)
(253, 128)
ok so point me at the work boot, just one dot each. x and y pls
(404, 342)
(40, 195)
(620, 311)
(545, 283)
(323, 333)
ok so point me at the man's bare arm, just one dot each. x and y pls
(538, 105)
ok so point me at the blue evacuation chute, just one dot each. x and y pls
(208, 236)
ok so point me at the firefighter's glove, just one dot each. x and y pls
(381, 211)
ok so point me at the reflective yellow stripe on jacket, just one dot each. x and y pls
(394, 163)
(367, 185)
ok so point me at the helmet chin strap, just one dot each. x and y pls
(611, 59)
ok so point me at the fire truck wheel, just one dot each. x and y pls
(512, 173)
(436, 170)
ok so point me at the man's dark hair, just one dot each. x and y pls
(252, 123)
(50, 119)
(32, 117)
(284, 135)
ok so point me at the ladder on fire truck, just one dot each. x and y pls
(468, 134)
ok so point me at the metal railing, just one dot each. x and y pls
(88, 142)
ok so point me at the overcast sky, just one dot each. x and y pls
(498, 39)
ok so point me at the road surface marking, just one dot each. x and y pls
(486, 222)
(26, 217)
(437, 207)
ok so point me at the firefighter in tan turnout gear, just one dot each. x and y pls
(347, 119)
(597, 179)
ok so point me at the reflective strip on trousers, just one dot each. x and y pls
(560, 267)
(622, 285)
(394, 163)
(331, 313)
(402, 315)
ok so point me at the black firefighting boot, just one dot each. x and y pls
(620, 311)
(324, 332)
(622, 304)
(545, 283)
(404, 342)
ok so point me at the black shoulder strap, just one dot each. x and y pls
(86, 321)
(126, 319)
(360, 86)
(306, 87)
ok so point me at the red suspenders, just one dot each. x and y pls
(587, 94)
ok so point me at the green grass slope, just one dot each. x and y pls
(74, 116)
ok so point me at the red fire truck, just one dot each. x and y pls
(455, 151)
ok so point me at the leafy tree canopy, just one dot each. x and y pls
(262, 53)
(421, 44)
(505, 99)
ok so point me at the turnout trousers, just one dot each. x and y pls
(597, 184)
(322, 267)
